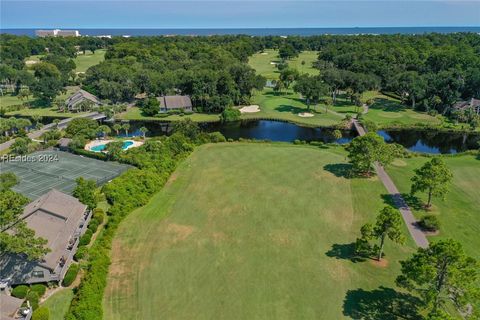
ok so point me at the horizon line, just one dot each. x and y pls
(233, 28)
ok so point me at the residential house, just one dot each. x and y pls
(60, 219)
(73, 103)
(183, 103)
(472, 104)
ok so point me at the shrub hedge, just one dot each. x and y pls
(71, 274)
(85, 239)
(429, 223)
(93, 225)
(20, 291)
(33, 298)
(99, 215)
(39, 288)
(81, 253)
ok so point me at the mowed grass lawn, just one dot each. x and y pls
(387, 111)
(262, 63)
(85, 61)
(58, 303)
(37, 107)
(251, 231)
(459, 213)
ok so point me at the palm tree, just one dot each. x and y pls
(12, 123)
(104, 130)
(56, 121)
(59, 103)
(4, 126)
(35, 118)
(117, 127)
(328, 102)
(143, 130)
(38, 125)
(22, 124)
(126, 127)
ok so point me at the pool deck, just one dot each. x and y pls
(99, 142)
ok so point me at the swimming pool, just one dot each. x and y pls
(100, 147)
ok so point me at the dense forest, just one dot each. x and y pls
(428, 72)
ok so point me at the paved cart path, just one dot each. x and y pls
(416, 233)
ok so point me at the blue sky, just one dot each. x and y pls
(237, 14)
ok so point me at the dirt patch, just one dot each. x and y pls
(172, 179)
(305, 114)
(180, 232)
(399, 163)
(380, 264)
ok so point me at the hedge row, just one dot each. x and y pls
(90, 154)
(130, 190)
(32, 294)
(70, 275)
(87, 303)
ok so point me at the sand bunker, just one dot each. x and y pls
(264, 53)
(250, 109)
(306, 115)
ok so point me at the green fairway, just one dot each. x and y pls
(287, 106)
(251, 231)
(9, 100)
(262, 63)
(459, 213)
(38, 108)
(85, 61)
(58, 303)
(387, 111)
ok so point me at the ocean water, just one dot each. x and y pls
(259, 31)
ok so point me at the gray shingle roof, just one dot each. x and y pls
(462, 105)
(55, 216)
(175, 102)
(80, 96)
(9, 306)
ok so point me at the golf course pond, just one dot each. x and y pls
(425, 141)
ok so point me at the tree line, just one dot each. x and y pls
(430, 72)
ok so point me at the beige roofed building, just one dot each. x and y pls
(11, 308)
(60, 219)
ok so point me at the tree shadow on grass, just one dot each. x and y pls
(412, 201)
(387, 105)
(380, 304)
(345, 251)
(288, 108)
(341, 170)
